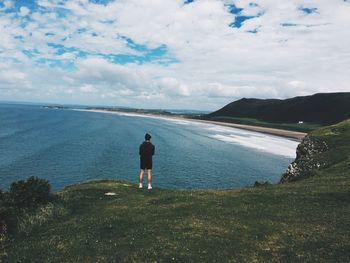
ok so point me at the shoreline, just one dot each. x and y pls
(272, 131)
(266, 130)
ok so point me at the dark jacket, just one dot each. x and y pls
(146, 150)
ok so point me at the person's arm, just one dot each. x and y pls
(153, 150)
(140, 149)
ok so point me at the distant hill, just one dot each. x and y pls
(321, 108)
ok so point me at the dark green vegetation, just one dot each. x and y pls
(306, 220)
(318, 109)
(22, 198)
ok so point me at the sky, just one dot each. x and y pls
(172, 54)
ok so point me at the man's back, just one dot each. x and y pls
(146, 152)
(146, 149)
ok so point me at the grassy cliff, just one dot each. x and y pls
(303, 221)
(321, 151)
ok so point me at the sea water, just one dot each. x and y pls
(69, 146)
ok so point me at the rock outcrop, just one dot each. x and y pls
(308, 160)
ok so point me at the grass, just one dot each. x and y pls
(304, 127)
(306, 221)
(303, 221)
(337, 138)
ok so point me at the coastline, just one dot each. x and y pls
(272, 131)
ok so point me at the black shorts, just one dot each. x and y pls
(146, 163)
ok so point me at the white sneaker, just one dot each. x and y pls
(149, 186)
(140, 185)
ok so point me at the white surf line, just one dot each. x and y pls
(143, 115)
(270, 143)
(272, 131)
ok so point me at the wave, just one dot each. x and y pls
(255, 140)
(269, 144)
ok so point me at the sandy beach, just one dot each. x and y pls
(277, 132)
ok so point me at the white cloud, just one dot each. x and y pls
(87, 88)
(216, 63)
(8, 4)
(10, 75)
(173, 87)
(23, 11)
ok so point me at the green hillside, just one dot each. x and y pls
(324, 149)
(307, 220)
(315, 111)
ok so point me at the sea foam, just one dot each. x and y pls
(259, 141)
(255, 140)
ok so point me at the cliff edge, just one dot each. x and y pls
(320, 150)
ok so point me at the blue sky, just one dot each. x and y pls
(197, 54)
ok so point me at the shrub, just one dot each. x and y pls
(22, 198)
(8, 219)
(30, 193)
(263, 183)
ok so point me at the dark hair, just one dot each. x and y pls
(147, 137)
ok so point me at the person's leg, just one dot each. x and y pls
(149, 172)
(142, 172)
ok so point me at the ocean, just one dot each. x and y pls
(68, 146)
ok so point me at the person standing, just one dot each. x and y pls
(146, 151)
